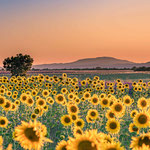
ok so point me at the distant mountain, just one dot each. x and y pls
(103, 62)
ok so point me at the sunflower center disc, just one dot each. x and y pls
(31, 135)
(86, 145)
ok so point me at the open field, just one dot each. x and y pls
(69, 105)
(127, 75)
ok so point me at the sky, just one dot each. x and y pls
(58, 31)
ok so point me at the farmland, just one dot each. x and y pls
(72, 105)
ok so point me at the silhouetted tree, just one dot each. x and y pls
(18, 65)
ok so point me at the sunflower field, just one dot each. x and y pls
(49, 112)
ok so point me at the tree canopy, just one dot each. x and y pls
(18, 65)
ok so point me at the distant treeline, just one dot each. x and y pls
(141, 68)
(99, 68)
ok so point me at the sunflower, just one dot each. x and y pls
(83, 142)
(113, 126)
(41, 102)
(72, 109)
(133, 128)
(77, 101)
(17, 102)
(13, 107)
(62, 145)
(3, 122)
(141, 142)
(104, 102)
(45, 108)
(1, 141)
(79, 123)
(2, 100)
(87, 95)
(34, 93)
(9, 93)
(37, 110)
(33, 116)
(127, 100)
(142, 103)
(30, 135)
(60, 99)
(66, 120)
(74, 117)
(76, 131)
(89, 120)
(63, 90)
(95, 100)
(118, 108)
(30, 101)
(45, 93)
(107, 138)
(133, 113)
(7, 105)
(99, 137)
(71, 96)
(113, 146)
(50, 100)
(141, 120)
(23, 97)
(110, 114)
(83, 82)
(93, 114)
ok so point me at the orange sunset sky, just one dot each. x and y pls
(67, 30)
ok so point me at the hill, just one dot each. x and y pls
(103, 62)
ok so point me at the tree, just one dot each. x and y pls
(18, 65)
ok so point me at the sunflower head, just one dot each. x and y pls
(141, 120)
(141, 142)
(113, 126)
